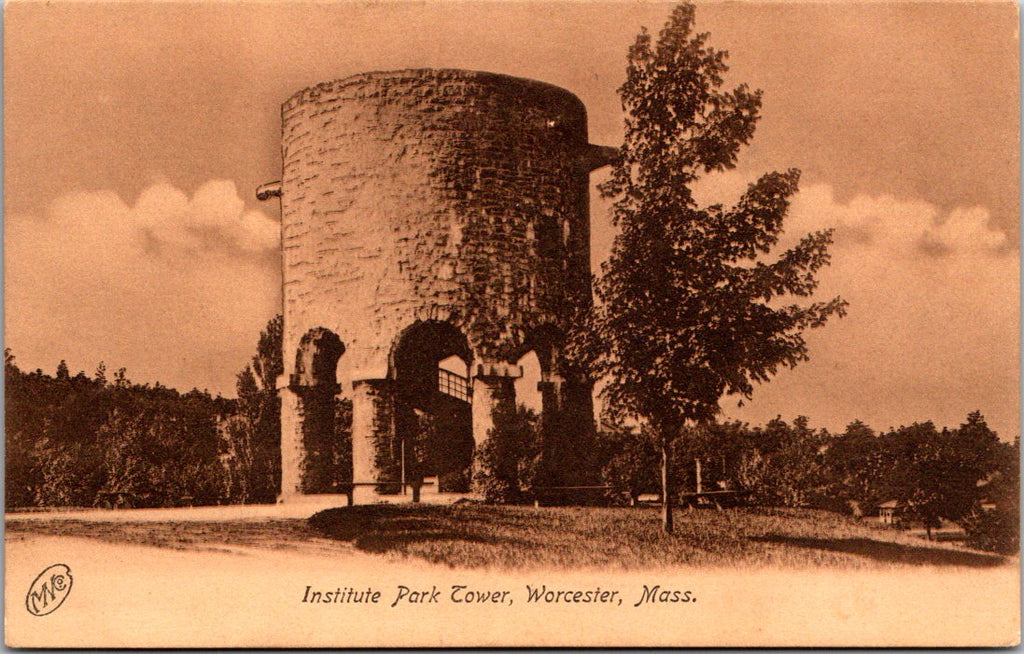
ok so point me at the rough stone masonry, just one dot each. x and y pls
(427, 214)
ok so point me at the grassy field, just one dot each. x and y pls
(221, 535)
(475, 535)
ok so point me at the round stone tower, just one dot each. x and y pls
(427, 214)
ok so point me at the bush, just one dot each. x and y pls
(454, 482)
(506, 463)
(992, 531)
(443, 446)
(629, 461)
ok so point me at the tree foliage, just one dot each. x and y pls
(506, 463)
(253, 436)
(80, 441)
(964, 475)
(690, 303)
(784, 465)
(938, 475)
(629, 458)
(689, 310)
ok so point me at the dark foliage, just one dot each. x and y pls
(964, 475)
(80, 441)
(629, 459)
(689, 301)
(506, 463)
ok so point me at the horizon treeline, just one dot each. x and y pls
(81, 441)
(964, 475)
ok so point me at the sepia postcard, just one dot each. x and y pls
(511, 324)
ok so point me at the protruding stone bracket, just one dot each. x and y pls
(597, 156)
(268, 190)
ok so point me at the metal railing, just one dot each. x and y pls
(454, 385)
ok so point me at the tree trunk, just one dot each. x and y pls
(666, 489)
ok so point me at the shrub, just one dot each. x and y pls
(454, 482)
(993, 531)
(506, 463)
(443, 446)
(629, 461)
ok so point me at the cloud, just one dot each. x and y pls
(933, 325)
(898, 227)
(175, 288)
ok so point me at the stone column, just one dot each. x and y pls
(552, 433)
(577, 404)
(307, 432)
(493, 385)
(550, 400)
(319, 474)
(292, 449)
(372, 433)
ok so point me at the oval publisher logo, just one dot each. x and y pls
(49, 590)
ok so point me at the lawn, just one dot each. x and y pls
(477, 535)
(630, 538)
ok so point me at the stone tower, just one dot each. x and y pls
(427, 214)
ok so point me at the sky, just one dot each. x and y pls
(135, 135)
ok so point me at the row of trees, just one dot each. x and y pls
(933, 474)
(85, 441)
(937, 473)
(90, 441)
(94, 441)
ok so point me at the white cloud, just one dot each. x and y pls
(896, 226)
(933, 325)
(175, 288)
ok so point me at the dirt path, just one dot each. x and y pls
(299, 509)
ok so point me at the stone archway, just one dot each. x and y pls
(310, 448)
(432, 404)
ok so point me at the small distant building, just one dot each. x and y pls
(990, 487)
(891, 512)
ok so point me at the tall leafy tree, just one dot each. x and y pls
(855, 463)
(62, 371)
(255, 439)
(268, 363)
(690, 304)
(941, 474)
